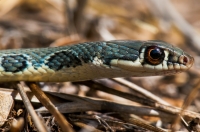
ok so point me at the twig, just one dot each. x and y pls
(188, 100)
(103, 105)
(86, 103)
(140, 123)
(63, 123)
(69, 22)
(78, 14)
(140, 90)
(38, 123)
(110, 123)
(101, 87)
(156, 105)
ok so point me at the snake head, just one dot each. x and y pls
(164, 58)
(154, 58)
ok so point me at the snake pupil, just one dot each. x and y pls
(155, 53)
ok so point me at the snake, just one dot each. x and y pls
(93, 60)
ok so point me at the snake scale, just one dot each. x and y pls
(93, 60)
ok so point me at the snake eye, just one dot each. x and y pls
(154, 55)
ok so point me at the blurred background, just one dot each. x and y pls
(44, 23)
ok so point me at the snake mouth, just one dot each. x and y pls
(179, 61)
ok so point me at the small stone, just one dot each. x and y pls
(6, 105)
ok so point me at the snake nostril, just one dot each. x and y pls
(185, 60)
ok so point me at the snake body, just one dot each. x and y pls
(93, 60)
